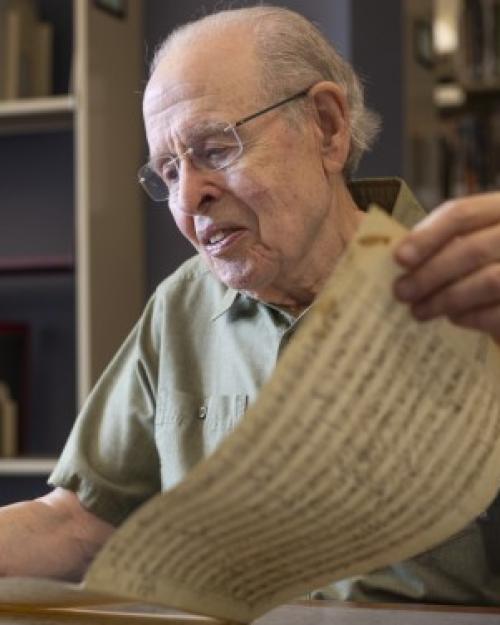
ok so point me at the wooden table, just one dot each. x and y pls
(304, 613)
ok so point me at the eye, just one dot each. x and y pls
(215, 155)
(166, 168)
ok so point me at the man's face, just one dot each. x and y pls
(256, 222)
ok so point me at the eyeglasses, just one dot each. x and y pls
(216, 148)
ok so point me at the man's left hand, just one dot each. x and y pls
(452, 262)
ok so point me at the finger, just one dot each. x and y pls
(478, 290)
(451, 219)
(456, 260)
(485, 319)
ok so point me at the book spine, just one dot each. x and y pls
(8, 423)
(488, 51)
(27, 64)
(496, 39)
(42, 59)
(12, 54)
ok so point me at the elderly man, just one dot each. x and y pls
(255, 125)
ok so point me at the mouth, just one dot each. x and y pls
(218, 240)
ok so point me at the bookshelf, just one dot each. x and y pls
(36, 264)
(71, 242)
(35, 114)
(453, 100)
(18, 467)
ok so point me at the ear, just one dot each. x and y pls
(331, 115)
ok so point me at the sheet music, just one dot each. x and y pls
(375, 439)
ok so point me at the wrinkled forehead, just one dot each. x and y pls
(173, 99)
(187, 113)
(198, 83)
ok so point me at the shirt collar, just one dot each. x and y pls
(391, 194)
(229, 298)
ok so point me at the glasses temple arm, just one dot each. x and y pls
(301, 94)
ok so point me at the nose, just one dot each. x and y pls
(195, 190)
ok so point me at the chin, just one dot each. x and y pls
(242, 276)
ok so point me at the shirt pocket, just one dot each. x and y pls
(189, 428)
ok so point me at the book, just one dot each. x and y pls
(496, 39)
(375, 439)
(9, 426)
(42, 59)
(478, 59)
(473, 38)
(488, 60)
(3, 33)
(20, 23)
(14, 346)
(27, 50)
(12, 62)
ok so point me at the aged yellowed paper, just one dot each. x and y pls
(376, 438)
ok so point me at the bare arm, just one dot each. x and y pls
(54, 536)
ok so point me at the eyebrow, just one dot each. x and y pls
(202, 129)
(196, 132)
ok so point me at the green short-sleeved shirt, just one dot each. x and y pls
(181, 382)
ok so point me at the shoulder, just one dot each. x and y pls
(182, 304)
(192, 270)
(192, 288)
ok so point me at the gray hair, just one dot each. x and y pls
(293, 54)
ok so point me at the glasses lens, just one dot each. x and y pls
(153, 184)
(217, 150)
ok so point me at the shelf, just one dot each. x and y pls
(36, 265)
(481, 88)
(67, 139)
(26, 466)
(37, 114)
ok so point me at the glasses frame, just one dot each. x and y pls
(147, 171)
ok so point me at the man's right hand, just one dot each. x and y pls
(54, 536)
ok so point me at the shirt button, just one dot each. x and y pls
(203, 412)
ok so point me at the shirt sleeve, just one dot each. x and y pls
(110, 459)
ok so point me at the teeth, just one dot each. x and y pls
(216, 238)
